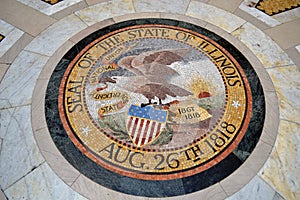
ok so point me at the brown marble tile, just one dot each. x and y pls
(257, 159)
(31, 22)
(3, 69)
(230, 6)
(2, 195)
(286, 35)
(294, 55)
(258, 23)
(93, 191)
(237, 179)
(54, 158)
(270, 130)
(92, 2)
(69, 10)
(136, 16)
(12, 53)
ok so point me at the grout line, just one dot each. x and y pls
(33, 169)
(39, 54)
(187, 8)
(134, 7)
(15, 106)
(231, 33)
(81, 19)
(75, 180)
(290, 121)
(283, 66)
(3, 193)
(223, 189)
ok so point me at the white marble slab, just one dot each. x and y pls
(298, 48)
(3, 68)
(215, 16)
(256, 189)
(277, 196)
(287, 16)
(277, 19)
(178, 6)
(57, 34)
(287, 86)
(266, 50)
(11, 36)
(283, 166)
(249, 7)
(49, 9)
(94, 191)
(19, 153)
(42, 184)
(19, 81)
(105, 10)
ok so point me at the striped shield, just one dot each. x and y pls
(144, 124)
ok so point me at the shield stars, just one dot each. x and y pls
(85, 130)
(236, 104)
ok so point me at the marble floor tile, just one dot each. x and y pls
(235, 181)
(24, 172)
(19, 153)
(283, 78)
(93, 191)
(31, 20)
(277, 196)
(136, 15)
(54, 158)
(18, 83)
(13, 52)
(53, 37)
(256, 189)
(272, 119)
(288, 16)
(284, 161)
(230, 6)
(2, 196)
(279, 34)
(178, 6)
(42, 183)
(250, 18)
(221, 18)
(69, 10)
(266, 50)
(215, 192)
(105, 10)
(11, 36)
(49, 9)
(249, 7)
(3, 69)
(294, 54)
(298, 48)
(92, 2)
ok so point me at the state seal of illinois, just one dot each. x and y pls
(155, 102)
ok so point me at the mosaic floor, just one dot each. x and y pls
(149, 100)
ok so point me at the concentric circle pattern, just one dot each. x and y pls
(157, 101)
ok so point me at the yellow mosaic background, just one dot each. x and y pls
(219, 139)
(272, 7)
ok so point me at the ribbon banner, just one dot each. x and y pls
(100, 70)
(110, 108)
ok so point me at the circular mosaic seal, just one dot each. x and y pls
(156, 101)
